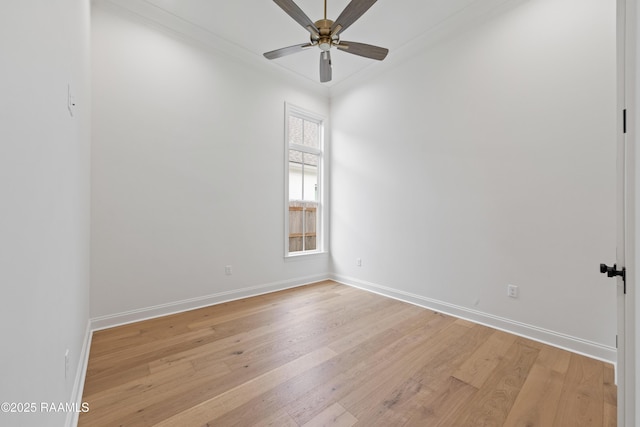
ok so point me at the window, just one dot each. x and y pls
(304, 164)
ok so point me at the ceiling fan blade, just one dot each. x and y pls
(279, 53)
(298, 15)
(362, 49)
(325, 66)
(350, 14)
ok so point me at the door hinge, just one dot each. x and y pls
(616, 341)
(624, 121)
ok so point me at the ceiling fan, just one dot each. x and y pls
(326, 34)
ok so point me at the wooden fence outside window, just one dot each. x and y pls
(302, 226)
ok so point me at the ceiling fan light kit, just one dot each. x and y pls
(325, 34)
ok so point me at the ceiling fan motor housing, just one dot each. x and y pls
(325, 40)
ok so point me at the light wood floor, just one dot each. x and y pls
(328, 354)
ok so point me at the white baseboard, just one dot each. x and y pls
(123, 318)
(81, 373)
(556, 339)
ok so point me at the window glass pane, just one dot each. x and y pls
(303, 176)
(310, 159)
(311, 137)
(295, 181)
(295, 156)
(310, 183)
(310, 216)
(296, 218)
(295, 130)
(303, 217)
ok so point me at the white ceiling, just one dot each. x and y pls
(248, 28)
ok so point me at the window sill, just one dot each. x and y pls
(305, 255)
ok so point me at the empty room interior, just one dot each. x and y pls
(199, 231)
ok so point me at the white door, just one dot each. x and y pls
(625, 256)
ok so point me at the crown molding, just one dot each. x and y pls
(475, 14)
(157, 18)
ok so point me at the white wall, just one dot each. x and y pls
(187, 170)
(488, 160)
(44, 202)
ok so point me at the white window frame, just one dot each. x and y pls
(321, 221)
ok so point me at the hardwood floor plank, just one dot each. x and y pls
(334, 415)
(114, 377)
(279, 418)
(492, 403)
(610, 410)
(466, 323)
(440, 407)
(212, 408)
(537, 402)
(481, 364)
(450, 357)
(610, 415)
(581, 401)
(554, 358)
(610, 388)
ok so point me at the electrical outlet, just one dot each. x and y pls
(228, 270)
(359, 262)
(512, 291)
